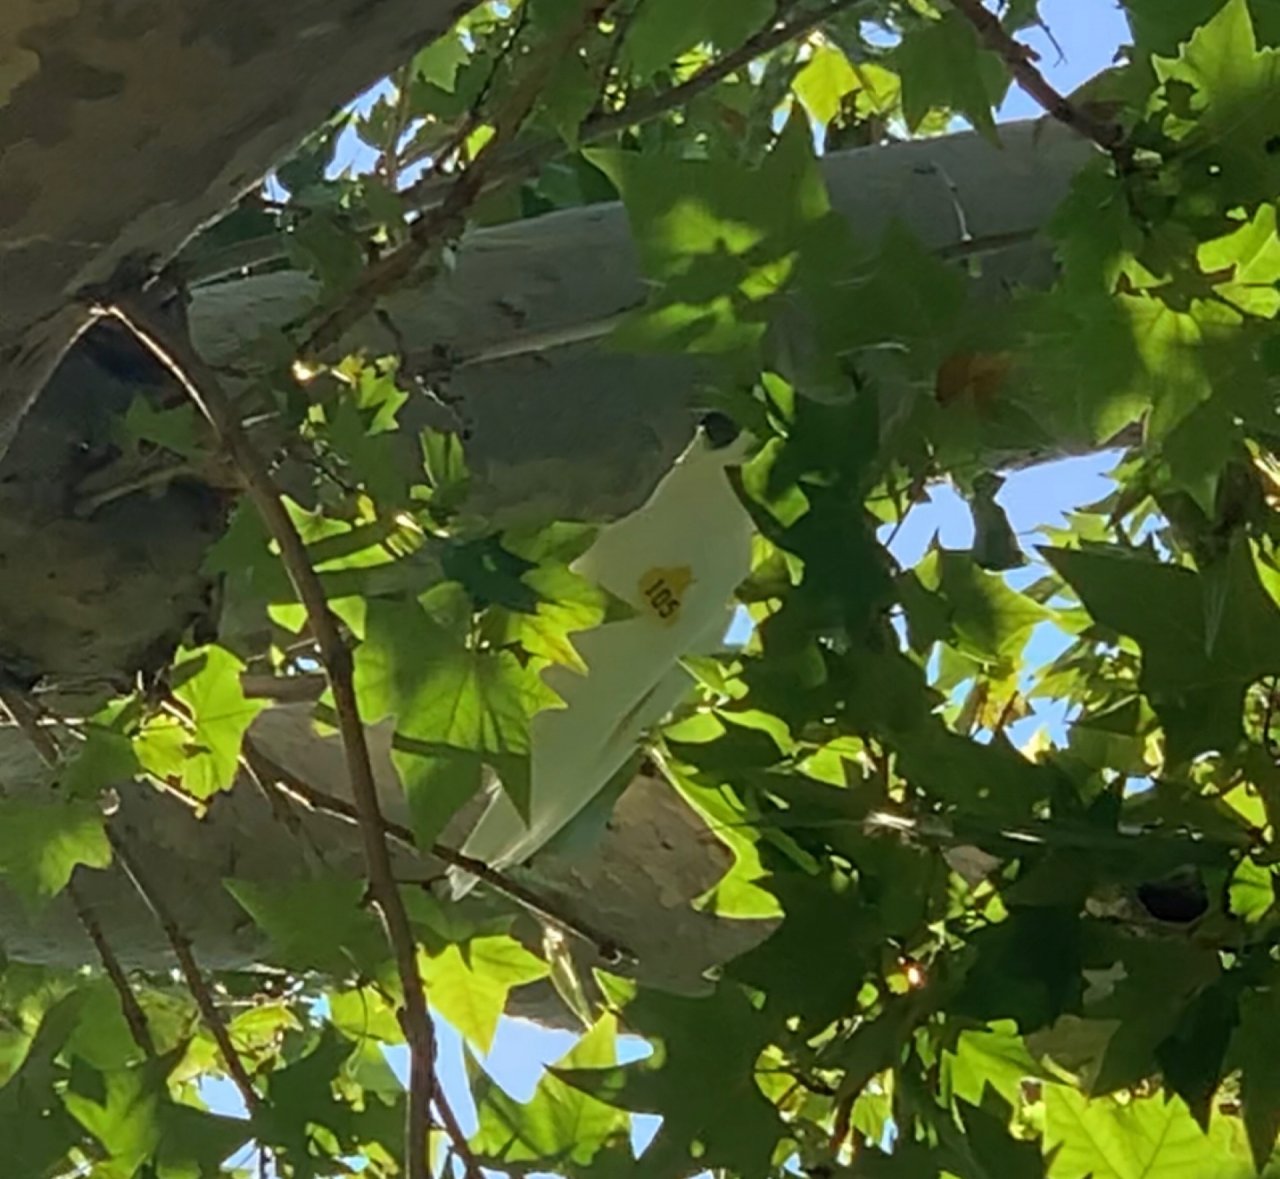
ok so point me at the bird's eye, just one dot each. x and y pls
(720, 429)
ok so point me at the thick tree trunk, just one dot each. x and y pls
(514, 336)
(126, 128)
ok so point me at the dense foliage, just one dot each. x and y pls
(1058, 960)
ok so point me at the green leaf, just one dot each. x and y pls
(1218, 102)
(994, 1056)
(1191, 1059)
(439, 62)
(1194, 671)
(1250, 258)
(201, 755)
(469, 983)
(1251, 894)
(806, 969)
(301, 1096)
(42, 844)
(560, 1124)
(105, 758)
(221, 714)
(700, 1078)
(662, 30)
(1252, 1051)
(721, 239)
(457, 709)
(995, 1151)
(565, 604)
(1144, 1007)
(30, 1102)
(1143, 1138)
(824, 82)
(739, 892)
(328, 249)
(134, 1122)
(173, 428)
(942, 65)
(988, 621)
(1028, 968)
(1161, 27)
(317, 924)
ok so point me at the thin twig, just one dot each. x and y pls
(471, 120)
(191, 973)
(26, 717)
(621, 27)
(507, 163)
(270, 770)
(130, 1008)
(1268, 717)
(518, 164)
(1020, 61)
(201, 384)
(448, 218)
(389, 161)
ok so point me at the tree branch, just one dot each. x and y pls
(130, 1008)
(507, 162)
(191, 973)
(518, 164)
(201, 384)
(27, 718)
(449, 217)
(269, 770)
(1020, 60)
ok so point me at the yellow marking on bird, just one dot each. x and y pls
(663, 592)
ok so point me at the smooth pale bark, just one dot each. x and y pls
(559, 425)
(127, 124)
(562, 426)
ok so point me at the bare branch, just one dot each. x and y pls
(27, 718)
(201, 384)
(269, 770)
(1020, 60)
(507, 162)
(130, 1008)
(191, 974)
(515, 164)
(448, 218)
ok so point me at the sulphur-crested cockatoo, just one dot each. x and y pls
(677, 561)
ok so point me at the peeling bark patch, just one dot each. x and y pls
(40, 108)
(16, 196)
(127, 21)
(241, 28)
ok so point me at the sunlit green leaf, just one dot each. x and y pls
(42, 843)
(560, 1124)
(469, 982)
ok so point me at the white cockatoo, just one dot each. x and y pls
(677, 560)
